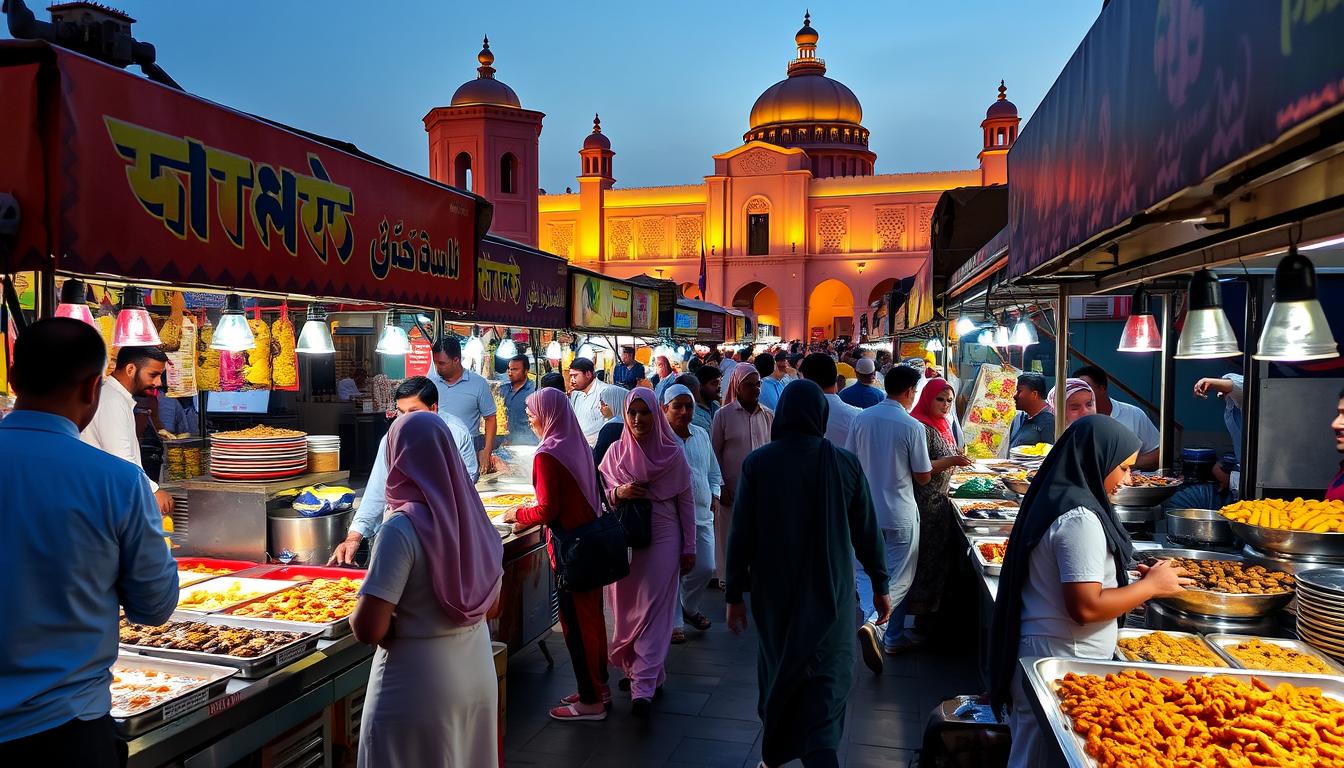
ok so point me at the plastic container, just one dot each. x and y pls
(1197, 464)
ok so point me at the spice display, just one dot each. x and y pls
(136, 690)
(206, 638)
(318, 602)
(260, 431)
(1297, 515)
(214, 600)
(1162, 648)
(285, 362)
(1235, 578)
(257, 371)
(1258, 654)
(1134, 719)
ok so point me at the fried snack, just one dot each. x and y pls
(1161, 648)
(170, 335)
(1134, 719)
(1257, 654)
(1152, 481)
(214, 600)
(993, 551)
(1234, 578)
(1299, 514)
(260, 430)
(257, 371)
(206, 638)
(198, 568)
(980, 506)
(320, 601)
(285, 362)
(207, 360)
(136, 690)
(1039, 449)
(509, 500)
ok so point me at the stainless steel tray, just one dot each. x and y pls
(1040, 675)
(248, 667)
(222, 583)
(1129, 632)
(1221, 642)
(328, 631)
(990, 569)
(1208, 603)
(216, 680)
(1289, 542)
(992, 527)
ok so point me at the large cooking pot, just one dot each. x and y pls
(307, 540)
(1199, 526)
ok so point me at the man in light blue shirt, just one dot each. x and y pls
(465, 395)
(893, 449)
(82, 530)
(773, 379)
(417, 393)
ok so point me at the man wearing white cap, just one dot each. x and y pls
(706, 480)
(864, 392)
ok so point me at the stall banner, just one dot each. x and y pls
(420, 360)
(1159, 95)
(156, 183)
(990, 410)
(518, 286)
(599, 303)
(644, 310)
(712, 326)
(919, 297)
(685, 322)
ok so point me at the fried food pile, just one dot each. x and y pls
(1297, 515)
(1133, 719)
(206, 638)
(993, 551)
(136, 690)
(198, 568)
(214, 600)
(318, 602)
(1257, 654)
(1162, 648)
(1234, 578)
(1152, 481)
(260, 430)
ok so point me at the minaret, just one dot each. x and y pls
(1000, 128)
(594, 181)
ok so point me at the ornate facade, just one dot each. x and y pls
(794, 225)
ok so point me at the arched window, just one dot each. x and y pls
(1001, 138)
(758, 226)
(462, 171)
(508, 171)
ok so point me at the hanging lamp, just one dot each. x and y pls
(1295, 328)
(393, 340)
(315, 338)
(1024, 332)
(933, 345)
(965, 325)
(1207, 334)
(553, 351)
(232, 333)
(1141, 333)
(74, 304)
(506, 349)
(134, 326)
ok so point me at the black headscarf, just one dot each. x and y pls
(1071, 476)
(802, 411)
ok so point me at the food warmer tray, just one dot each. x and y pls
(216, 680)
(1288, 542)
(297, 574)
(328, 631)
(1129, 632)
(1040, 675)
(1208, 603)
(1222, 641)
(222, 583)
(990, 569)
(987, 526)
(248, 667)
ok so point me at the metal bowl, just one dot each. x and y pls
(1143, 496)
(1207, 603)
(1288, 542)
(1017, 486)
(1200, 526)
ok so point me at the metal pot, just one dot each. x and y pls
(305, 540)
(1199, 526)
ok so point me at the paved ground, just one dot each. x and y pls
(706, 715)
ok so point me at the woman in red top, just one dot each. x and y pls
(566, 485)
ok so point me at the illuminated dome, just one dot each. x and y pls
(485, 89)
(596, 140)
(806, 98)
(1001, 107)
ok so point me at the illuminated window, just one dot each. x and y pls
(758, 234)
(462, 171)
(508, 169)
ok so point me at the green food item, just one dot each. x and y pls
(975, 488)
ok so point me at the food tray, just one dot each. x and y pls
(1288, 542)
(222, 583)
(234, 566)
(983, 526)
(299, 573)
(990, 569)
(330, 630)
(1143, 496)
(1207, 603)
(1127, 633)
(216, 680)
(1220, 642)
(248, 667)
(1040, 675)
(490, 499)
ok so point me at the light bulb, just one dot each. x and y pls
(1024, 334)
(474, 348)
(586, 351)
(393, 340)
(233, 334)
(553, 351)
(507, 348)
(933, 345)
(965, 325)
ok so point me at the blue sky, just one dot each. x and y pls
(674, 81)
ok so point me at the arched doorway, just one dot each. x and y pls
(831, 308)
(691, 291)
(881, 289)
(761, 300)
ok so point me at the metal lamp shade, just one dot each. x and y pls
(1024, 334)
(965, 325)
(933, 345)
(1296, 328)
(506, 349)
(553, 351)
(232, 334)
(315, 338)
(393, 341)
(73, 304)
(1207, 334)
(1140, 335)
(134, 326)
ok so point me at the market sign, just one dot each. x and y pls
(711, 326)
(644, 310)
(519, 286)
(1160, 95)
(147, 182)
(685, 322)
(598, 303)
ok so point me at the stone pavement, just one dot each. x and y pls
(706, 715)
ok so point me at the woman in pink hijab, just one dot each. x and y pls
(648, 463)
(1079, 400)
(566, 484)
(437, 561)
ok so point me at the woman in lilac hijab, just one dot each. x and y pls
(437, 561)
(648, 463)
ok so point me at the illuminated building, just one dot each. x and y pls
(794, 224)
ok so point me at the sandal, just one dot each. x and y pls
(574, 698)
(699, 620)
(571, 712)
(678, 636)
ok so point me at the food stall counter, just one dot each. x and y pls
(527, 608)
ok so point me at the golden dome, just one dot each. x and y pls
(806, 98)
(807, 35)
(485, 89)
(596, 139)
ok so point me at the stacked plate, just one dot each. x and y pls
(1320, 609)
(257, 458)
(323, 443)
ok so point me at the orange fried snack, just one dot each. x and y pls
(993, 551)
(1134, 720)
(318, 602)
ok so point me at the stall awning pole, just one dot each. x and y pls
(1250, 391)
(1166, 404)
(1061, 358)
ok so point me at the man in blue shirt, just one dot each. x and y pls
(629, 372)
(864, 392)
(515, 395)
(773, 372)
(83, 530)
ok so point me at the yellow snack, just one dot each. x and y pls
(1161, 648)
(257, 371)
(285, 363)
(207, 360)
(1300, 514)
(1257, 654)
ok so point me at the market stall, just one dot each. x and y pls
(128, 187)
(607, 314)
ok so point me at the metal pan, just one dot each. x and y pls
(1207, 603)
(1143, 496)
(215, 680)
(1040, 675)
(223, 583)
(990, 569)
(1289, 542)
(986, 525)
(250, 667)
(1128, 633)
(330, 630)
(1221, 643)
(1199, 526)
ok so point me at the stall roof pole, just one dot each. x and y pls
(1061, 358)
(1167, 401)
(1250, 391)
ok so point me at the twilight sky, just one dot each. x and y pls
(674, 82)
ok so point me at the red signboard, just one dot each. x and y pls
(147, 182)
(516, 285)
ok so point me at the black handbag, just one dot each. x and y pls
(591, 556)
(635, 514)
